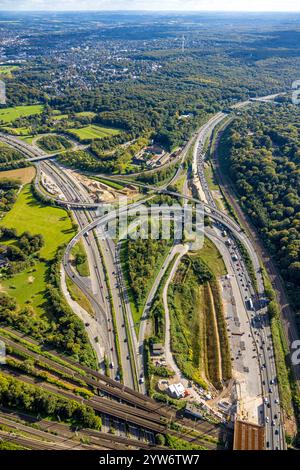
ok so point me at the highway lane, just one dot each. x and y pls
(102, 287)
(122, 310)
(212, 212)
(263, 343)
(112, 267)
(98, 299)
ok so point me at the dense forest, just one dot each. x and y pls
(261, 153)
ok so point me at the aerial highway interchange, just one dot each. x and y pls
(105, 271)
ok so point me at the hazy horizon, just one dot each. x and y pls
(222, 6)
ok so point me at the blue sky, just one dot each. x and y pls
(210, 5)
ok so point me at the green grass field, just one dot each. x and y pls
(210, 177)
(59, 117)
(93, 132)
(89, 114)
(20, 131)
(28, 214)
(24, 133)
(11, 114)
(213, 258)
(83, 268)
(29, 287)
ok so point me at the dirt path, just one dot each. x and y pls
(216, 331)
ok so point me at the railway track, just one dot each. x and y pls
(126, 413)
(32, 444)
(96, 438)
(136, 404)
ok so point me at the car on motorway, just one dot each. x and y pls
(267, 419)
(270, 390)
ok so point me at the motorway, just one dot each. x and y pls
(97, 293)
(99, 297)
(104, 340)
(269, 411)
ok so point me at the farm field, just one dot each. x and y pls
(25, 175)
(28, 214)
(8, 115)
(93, 132)
(59, 117)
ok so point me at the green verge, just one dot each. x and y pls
(222, 329)
(78, 296)
(180, 444)
(80, 259)
(248, 263)
(285, 377)
(110, 183)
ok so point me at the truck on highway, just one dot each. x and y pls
(249, 304)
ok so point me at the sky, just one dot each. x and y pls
(183, 5)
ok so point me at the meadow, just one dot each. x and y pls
(30, 215)
(30, 286)
(93, 132)
(24, 175)
(8, 115)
